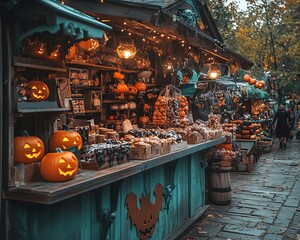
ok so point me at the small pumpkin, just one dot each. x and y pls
(258, 85)
(118, 76)
(122, 87)
(262, 82)
(132, 90)
(252, 81)
(140, 86)
(247, 77)
(58, 166)
(28, 149)
(39, 91)
(144, 119)
(245, 132)
(64, 139)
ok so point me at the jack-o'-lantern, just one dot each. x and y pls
(132, 90)
(28, 149)
(146, 216)
(58, 166)
(65, 139)
(39, 91)
(140, 86)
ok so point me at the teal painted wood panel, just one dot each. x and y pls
(197, 183)
(76, 217)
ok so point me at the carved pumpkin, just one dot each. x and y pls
(118, 76)
(145, 217)
(28, 149)
(140, 86)
(39, 91)
(58, 166)
(132, 90)
(64, 139)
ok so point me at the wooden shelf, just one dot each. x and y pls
(85, 87)
(115, 101)
(100, 67)
(39, 64)
(93, 111)
(87, 180)
(34, 107)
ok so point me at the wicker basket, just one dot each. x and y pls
(265, 146)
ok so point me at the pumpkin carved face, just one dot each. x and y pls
(140, 86)
(39, 91)
(58, 166)
(65, 139)
(28, 149)
(145, 217)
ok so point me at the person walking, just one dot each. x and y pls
(282, 120)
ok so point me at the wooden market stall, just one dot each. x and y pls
(154, 194)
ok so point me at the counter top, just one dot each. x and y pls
(87, 180)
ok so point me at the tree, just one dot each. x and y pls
(267, 33)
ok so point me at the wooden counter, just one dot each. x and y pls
(49, 193)
(95, 204)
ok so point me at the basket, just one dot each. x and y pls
(265, 146)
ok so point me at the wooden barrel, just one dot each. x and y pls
(219, 186)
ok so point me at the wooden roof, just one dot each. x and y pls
(175, 18)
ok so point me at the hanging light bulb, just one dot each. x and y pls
(126, 48)
(214, 71)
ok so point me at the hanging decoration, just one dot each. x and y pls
(214, 71)
(126, 48)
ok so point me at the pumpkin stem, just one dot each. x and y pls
(24, 133)
(65, 127)
(58, 150)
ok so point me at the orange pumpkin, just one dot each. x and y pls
(226, 146)
(58, 166)
(140, 86)
(247, 78)
(122, 87)
(132, 90)
(257, 85)
(28, 149)
(245, 132)
(64, 139)
(262, 82)
(39, 91)
(252, 81)
(144, 119)
(71, 53)
(118, 76)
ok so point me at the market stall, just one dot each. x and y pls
(102, 142)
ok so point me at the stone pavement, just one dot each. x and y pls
(264, 202)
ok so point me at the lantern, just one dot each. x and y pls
(58, 166)
(126, 48)
(64, 139)
(28, 149)
(39, 91)
(214, 71)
